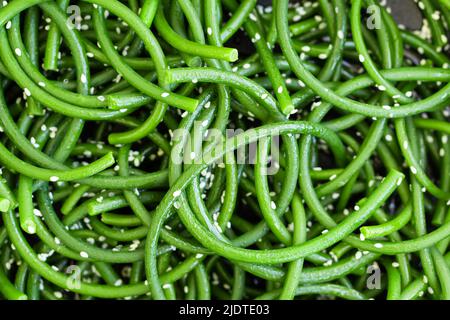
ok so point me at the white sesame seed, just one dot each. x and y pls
(54, 178)
(42, 257)
(165, 94)
(306, 48)
(31, 228)
(18, 52)
(84, 254)
(177, 193)
(273, 205)
(328, 263)
(436, 15)
(37, 213)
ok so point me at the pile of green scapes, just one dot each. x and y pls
(93, 204)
